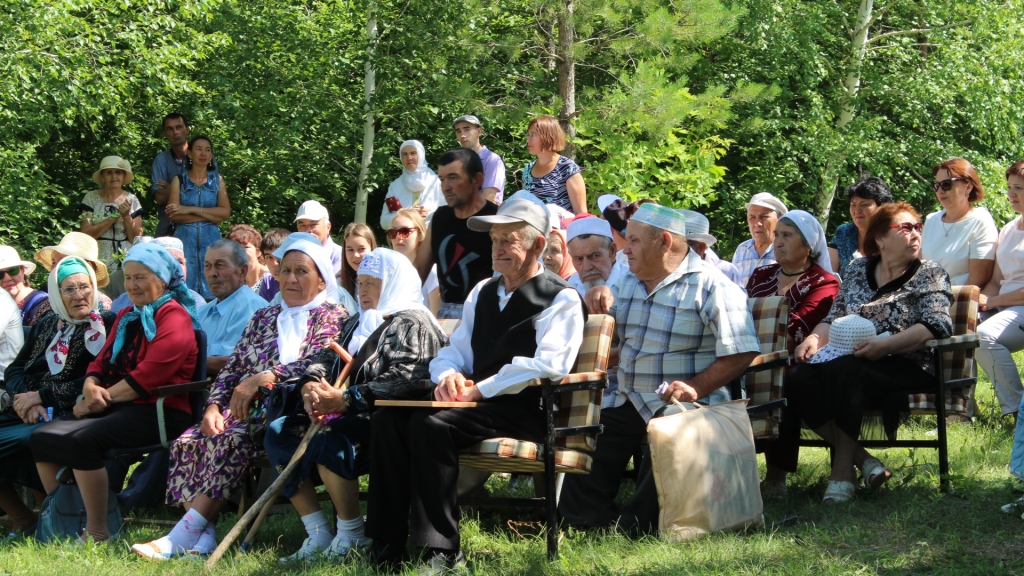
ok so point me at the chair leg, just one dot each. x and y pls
(558, 487)
(550, 497)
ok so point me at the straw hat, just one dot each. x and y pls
(843, 334)
(9, 258)
(77, 244)
(114, 162)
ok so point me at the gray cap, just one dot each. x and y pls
(698, 228)
(512, 212)
(468, 118)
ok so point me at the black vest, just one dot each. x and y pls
(463, 256)
(500, 335)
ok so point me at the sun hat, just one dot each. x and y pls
(766, 200)
(80, 245)
(698, 227)
(114, 162)
(312, 210)
(843, 334)
(9, 258)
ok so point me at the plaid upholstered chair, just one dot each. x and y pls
(572, 429)
(764, 376)
(955, 377)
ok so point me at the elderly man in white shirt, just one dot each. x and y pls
(592, 247)
(12, 336)
(763, 212)
(524, 323)
(314, 219)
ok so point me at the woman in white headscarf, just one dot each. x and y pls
(47, 376)
(392, 343)
(418, 186)
(209, 461)
(802, 273)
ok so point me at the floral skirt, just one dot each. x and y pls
(211, 465)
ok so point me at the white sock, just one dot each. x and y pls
(207, 540)
(184, 535)
(351, 530)
(318, 527)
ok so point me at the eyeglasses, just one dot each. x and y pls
(907, 227)
(400, 232)
(72, 290)
(946, 184)
(12, 272)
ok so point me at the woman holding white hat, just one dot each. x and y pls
(81, 246)
(112, 216)
(801, 272)
(900, 294)
(763, 212)
(14, 273)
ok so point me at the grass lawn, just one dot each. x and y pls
(908, 527)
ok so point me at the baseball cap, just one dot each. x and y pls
(468, 118)
(511, 212)
(312, 210)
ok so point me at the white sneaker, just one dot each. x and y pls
(342, 545)
(311, 550)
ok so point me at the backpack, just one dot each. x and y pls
(62, 514)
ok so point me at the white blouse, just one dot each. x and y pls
(953, 246)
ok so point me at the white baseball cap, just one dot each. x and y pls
(511, 212)
(605, 200)
(312, 210)
(766, 200)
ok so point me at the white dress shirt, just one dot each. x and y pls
(12, 337)
(559, 336)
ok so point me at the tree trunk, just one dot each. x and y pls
(851, 86)
(368, 133)
(567, 73)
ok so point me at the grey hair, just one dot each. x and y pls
(238, 255)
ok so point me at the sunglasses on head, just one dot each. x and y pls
(946, 184)
(400, 232)
(12, 272)
(907, 227)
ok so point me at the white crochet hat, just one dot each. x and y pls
(843, 334)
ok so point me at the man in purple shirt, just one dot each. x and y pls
(468, 130)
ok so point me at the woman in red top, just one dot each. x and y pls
(154, 345)
(802, 273)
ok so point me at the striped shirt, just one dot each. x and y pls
(690, 319)
(746, 259)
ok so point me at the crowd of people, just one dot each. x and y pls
(82, 359)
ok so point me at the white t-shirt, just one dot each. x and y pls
(12, 337)
(1010, 257)
(953, 246)
(430, 285)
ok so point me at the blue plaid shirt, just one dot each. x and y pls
(746, 259)
(690, 319)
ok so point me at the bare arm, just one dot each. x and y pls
(490, 193)
(185, 214)
(577, 191)
(434, 301)
(909, 340)
(979, 272)
(425, 256)
(96, 230)
(815, 340)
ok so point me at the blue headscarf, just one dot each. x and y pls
(161, 263)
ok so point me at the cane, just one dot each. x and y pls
(262, 506)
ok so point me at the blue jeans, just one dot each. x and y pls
(1017, 456)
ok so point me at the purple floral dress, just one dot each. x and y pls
(215, 465)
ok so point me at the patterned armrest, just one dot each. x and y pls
(955, 342)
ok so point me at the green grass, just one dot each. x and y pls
(909, 527)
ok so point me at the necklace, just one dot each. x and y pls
(952, 224)
(784, 273)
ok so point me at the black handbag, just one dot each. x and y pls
(272, 402)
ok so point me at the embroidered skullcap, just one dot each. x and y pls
(661, 217)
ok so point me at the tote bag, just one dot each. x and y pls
(705, 470)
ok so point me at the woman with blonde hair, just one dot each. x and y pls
(408, 230)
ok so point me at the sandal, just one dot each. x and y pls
(838, 491)
(875, 473)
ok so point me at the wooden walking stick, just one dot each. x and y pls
(262, 506)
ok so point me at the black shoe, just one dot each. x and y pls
(442, 562)
(387, 558)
